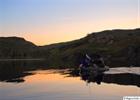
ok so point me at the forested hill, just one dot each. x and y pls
(15, 47)
(118, 47)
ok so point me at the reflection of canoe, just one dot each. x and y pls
(93, 69)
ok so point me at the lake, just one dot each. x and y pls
(36, 81)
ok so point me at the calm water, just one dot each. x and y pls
(33, 81)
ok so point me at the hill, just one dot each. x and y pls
(118, 48)
(15, 47)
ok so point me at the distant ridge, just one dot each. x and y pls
(15, 47)
(118, 47)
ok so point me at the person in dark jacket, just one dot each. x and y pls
(86, 61)
(96, 61)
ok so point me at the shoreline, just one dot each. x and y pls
(39, 59)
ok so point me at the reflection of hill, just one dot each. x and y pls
(122, 79)
(15, 71)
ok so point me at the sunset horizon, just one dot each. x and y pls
(38, 43)
(46, 22)
(69, 49)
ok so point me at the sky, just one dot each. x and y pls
(51, 21)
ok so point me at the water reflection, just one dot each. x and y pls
(122, 78)
(55, 85)
(91, 78)
(16, 72)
